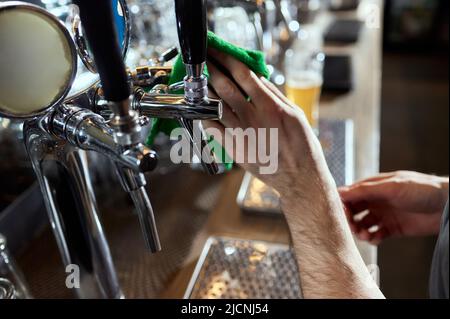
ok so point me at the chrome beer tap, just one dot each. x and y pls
(60, 130)
(56, 144)
(63, 127)
(192, 31)
(56, 137)
(160, 102)
(98, 23)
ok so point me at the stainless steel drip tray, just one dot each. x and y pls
(231, 268)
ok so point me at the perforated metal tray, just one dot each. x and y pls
(231, 268)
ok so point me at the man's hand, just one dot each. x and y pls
(300, 157)
(401, 203)
(329, 263)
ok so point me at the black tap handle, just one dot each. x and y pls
(191, 25)
(169, 54)
(98, 24)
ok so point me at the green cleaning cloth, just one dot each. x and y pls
(253, 59)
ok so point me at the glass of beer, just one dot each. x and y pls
(304, 90)
(303, 69)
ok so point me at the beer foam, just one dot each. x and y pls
(35, 61)
(304, 80)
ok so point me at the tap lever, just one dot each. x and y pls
(191, 25)
(167, 55)
(98, 24)
(192, 28)
(192, 35)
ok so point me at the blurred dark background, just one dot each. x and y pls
(414, 123)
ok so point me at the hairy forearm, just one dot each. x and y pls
(329, 262)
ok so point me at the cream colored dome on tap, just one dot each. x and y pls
(36, 62)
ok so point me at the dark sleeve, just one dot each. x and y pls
(439, 269)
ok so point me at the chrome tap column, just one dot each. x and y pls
(97, 19)
(35, 79)
(62, 172)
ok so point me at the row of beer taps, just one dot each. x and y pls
(109, 119)
(111, 123)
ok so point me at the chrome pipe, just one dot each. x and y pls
(90, 132)
(146, 218)
(134, 184)
(200, 145)
(63, 175)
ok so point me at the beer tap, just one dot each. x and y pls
(98, 23)
(194, 104)
(192, 35)
(56, 144)
(61, 128)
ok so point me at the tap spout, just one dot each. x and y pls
(134, 184)
(174, 106)
(90, 132)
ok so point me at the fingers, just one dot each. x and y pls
(361, 197)
(356, 207)
(377, 237)
(264, 96)
(373, 237)
(363, 191)
(246, 78)
(286, 104)
(377, 178)
(368, 184)
(275, 91)
(360, 218)
(363, 235)
(230, 94)
(229, 118)
(369, 228)
(367, 221)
